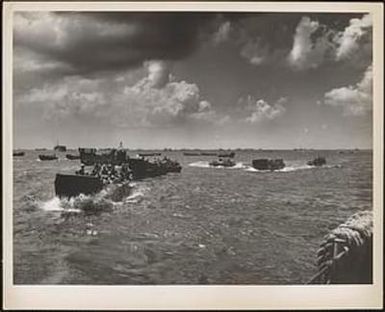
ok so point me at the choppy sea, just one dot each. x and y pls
(201, 226)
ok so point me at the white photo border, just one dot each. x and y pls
(195, 297)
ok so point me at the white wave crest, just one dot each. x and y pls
(57, 204)
(291, 168)
(137, 193)
(206, 164)
(134, 197)
(200, 164)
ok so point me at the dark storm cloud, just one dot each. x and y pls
(91, 42)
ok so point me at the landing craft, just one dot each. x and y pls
(72, 157)
(231, 155)
(60, 148)
(209, 154)
(318, 162)
(114, 167)
(222, 163)
(67, 185)
(48, 157)
(268, 164)
(149, 154)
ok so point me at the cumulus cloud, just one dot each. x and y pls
(158, 73)
(223, 33)
(171, 101)
(255, 52)
(315, 43)
(154, 100)
(354, 100)
(260, 110)
(354, 37)
(307, 53)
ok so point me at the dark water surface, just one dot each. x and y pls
(202, 226)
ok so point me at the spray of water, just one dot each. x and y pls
(206, 164)
(292, 168)
(103, 201)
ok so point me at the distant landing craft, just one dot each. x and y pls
(72, 157)
(231, 155)
(149, 154)
(60, 148)
(318, 162)
(48, 157)
(268, 164)
(222, 163)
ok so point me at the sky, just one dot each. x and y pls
(192, 80)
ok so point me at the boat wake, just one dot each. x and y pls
(137, 194)
(103, 201)
(200, 164)
(57, 204)
(206, 164)
(292, 168)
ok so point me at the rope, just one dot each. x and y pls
(347, 241)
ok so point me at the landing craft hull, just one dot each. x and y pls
(90, 156)
(268, 164)
(60, 148)
(175, 169)
(191, 154)
(67, 185)
(149, 154)
(230, 155)
(318, 162)
(48, 157)
(72, 157)
(142, 169)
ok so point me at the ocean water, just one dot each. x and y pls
(201, 226)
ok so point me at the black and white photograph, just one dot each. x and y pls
(192, 147)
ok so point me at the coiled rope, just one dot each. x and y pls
(345, 254)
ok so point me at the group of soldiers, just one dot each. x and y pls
(109, 173)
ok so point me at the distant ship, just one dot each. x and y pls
(209, 154)
(149, 154)
(60, 148)
(231, 154)
(18, 154)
